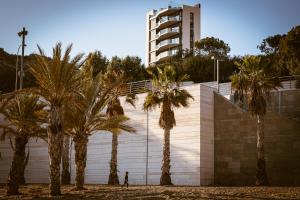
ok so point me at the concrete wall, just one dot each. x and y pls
(235, 142)
(186, 10)
(206, 135)
(132, 151)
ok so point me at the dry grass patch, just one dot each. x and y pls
(93, 192)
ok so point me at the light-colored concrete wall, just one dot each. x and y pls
(185, 149)
(206, 135)
(153, 47)
(153, 56)
(185, 144)
(186, 25)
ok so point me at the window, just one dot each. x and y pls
(191, 31)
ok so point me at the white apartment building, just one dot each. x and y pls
(169, 29)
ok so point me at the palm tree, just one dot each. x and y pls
(87, 118)
(24, 115)
(167, 94)
(58, 81)
(114, 108)
(253, 86)
(65, 158)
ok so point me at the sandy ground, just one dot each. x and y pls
(38, 191)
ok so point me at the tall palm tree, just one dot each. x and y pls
(253, 86)
(114, 108)
(58, 81)
(167, 94)
(24, 115)
(65, 158)
(84, 120)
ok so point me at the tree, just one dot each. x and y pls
(65, 158)
(289, 50)
(131, 66)
(211, 46)
(24, 115)
(271, 58)
(167, 94)
(82, 121)
(114, 108)
(8, 71)
(58, 80)
(251, 84)
(270, 45)
(98, 62)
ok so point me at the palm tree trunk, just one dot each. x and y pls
(65, 174)
(22, 180)
(16, 171)
(165, 178)
(261, 174)
(113, 176)
(80, 160)
(55, 138)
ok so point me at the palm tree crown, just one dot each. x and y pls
(57, 78)
(166, 92)
(24, 114)
(253, 85)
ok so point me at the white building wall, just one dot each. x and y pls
(186, 10)
(185, 150)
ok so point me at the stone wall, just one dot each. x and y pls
(235, 141)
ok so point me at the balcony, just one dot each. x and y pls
(167, 21)
(167, 33)
(166, 11)
(167, 44)
(166, 55)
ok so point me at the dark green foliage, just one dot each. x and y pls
(98, 62)
(270, 45)
(132, 67)
(211, 46)
(282, 52)
(289, 51)
(8, 71)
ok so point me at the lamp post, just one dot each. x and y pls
(17, 68)
(213, 58)
(218, 71)
(218, 75)
(22, 34)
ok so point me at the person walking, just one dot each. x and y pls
(126, 179)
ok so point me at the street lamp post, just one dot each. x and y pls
(218, 75)
(17, 68)
(213, 58)
(22, 34)
(218, 71)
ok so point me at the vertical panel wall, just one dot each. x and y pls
(206, 135)
(132, 149)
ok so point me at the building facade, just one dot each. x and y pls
(170, 29)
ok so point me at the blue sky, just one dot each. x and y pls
(117, 27)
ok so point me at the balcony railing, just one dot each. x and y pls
(287, 82)
(167, 19)
(167, 42)
(166, 54)
(166, 31)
